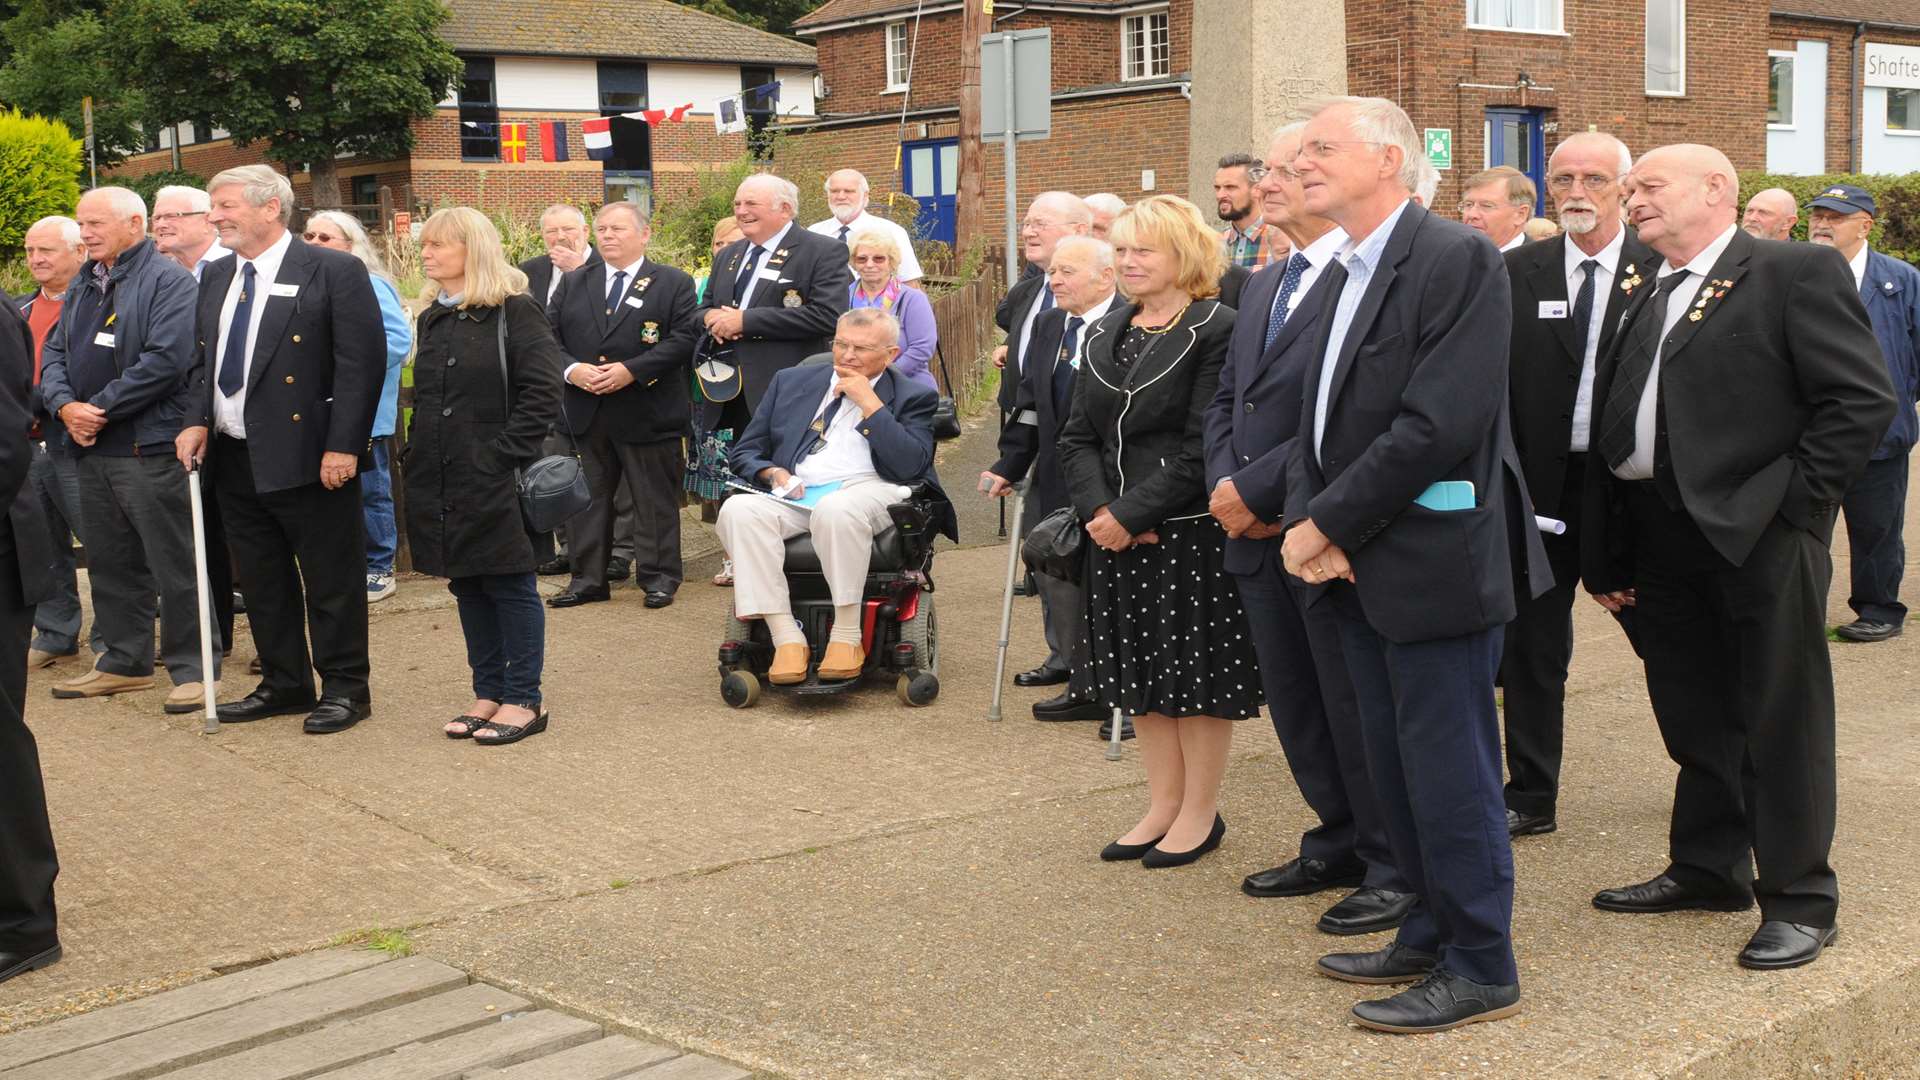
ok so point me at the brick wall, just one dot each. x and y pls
(203, 159)
(1843, 82)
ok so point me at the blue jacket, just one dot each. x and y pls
(393, 316)
(153, 344)
(1892, 294)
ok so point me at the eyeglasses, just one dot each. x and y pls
(175, 215)
(1036, 224)
(1484, 206)
(864, 352)
(319, 237)
(1284, 172)
(1322, 149)
(864, 259)
(1255, 173)
(1591, 181)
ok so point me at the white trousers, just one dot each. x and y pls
(755, 531)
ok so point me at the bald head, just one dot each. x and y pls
(1771, 214)
(1052, 215)
(1681, 198)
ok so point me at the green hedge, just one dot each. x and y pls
(39, 173)
(1896, 228)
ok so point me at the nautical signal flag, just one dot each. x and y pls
(598, 135)
(553, 140)
(513, 144)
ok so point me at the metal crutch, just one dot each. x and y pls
(206, 599)
(1113, 744)
(1006, 603)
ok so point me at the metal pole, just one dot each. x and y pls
(1009, 122)
(1113, 742)
(1006, 607)
(206, 599)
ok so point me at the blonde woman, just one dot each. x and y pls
(473, 426)
(1166, 633)
(875, 258)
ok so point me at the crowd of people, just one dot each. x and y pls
(1345, 459)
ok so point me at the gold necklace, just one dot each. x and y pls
(1170, 323)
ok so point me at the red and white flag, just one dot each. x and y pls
(598, 135)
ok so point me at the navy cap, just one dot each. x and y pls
(1845, 199)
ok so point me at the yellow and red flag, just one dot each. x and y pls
(513, 144)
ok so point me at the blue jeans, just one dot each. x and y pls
(376, 503)
(506, 628)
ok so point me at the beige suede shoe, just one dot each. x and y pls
(98, 683)
(789, 666)
(189, 698)
(842, 661)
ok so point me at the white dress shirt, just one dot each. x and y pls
(1517, 239)
(1040, 303)
(214, 252)
(1318, 254)
(772, 245)
(1639, 466)
(230, 413)
(909, 268)
(1361, 257)
(847, 457)
(1603, 277)
(553, 281)
(1092, 315)
(1859, 264)
(632, 270)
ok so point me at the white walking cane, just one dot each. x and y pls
(1006, 602)
(206, 599)
(1113, 742)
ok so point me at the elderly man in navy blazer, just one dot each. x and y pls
(859, 425)
(1251, 427)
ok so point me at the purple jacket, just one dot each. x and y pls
(918, 335)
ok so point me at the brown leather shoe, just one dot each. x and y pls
(789, 665)
(98, 683)
(842, 661)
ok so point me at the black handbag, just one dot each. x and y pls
(946, 415)
(1057, 547)
(553, 490)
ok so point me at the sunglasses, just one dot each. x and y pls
(319, 237)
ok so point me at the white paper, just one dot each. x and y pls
(1550, 525)
(1553, 309)
(103, 338)
(280, 289)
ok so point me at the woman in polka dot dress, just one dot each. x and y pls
(1167, 637)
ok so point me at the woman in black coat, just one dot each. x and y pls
(1168, 639)
(481, 410)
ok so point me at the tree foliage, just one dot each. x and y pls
(39, 173)
(57, 56)
(774, 16)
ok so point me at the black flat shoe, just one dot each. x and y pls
(1440, 1002)
(1779, 945)
(509, 733)
(472, 723)
(1367, 911)
(1159, 858)
(1064, 706)
(1303, 877)
(619, 569)
(1119, 852)
(1394, 964)
(334, 715)
(554, 566)
(1519, 824)
(1665, 894)
(27, 958)
(1040, 676)
(261, 704)
(658, 599)
(1867, 631)
(576, 597)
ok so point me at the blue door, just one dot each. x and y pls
(930, 172)
(1515, 137)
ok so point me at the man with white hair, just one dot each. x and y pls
(1771, 214)
(1429, 185)
(1052, 216)
(1105, 206)
(113, 371)
(1568, 295)
(848, 199)
(181, 230)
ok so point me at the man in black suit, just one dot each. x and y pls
(287, 378)
(1081, 278)
(1568, 295)
(1742, 395)
(1399, 487)
(1251, 426)
(626, 402)
(29, 937)
(776, 294)
(1051, 216)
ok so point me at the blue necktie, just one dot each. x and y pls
(616, 290)
(1289, 281)
(1046, 299)
(843, 233)
(1067, 366)
(233, 365)
(1583, 305)
(745, 275)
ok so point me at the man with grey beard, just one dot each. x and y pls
(1568, 295)
(1771, 214)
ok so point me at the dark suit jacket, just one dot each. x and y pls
(30, 577)
(656, 308)
(1026, 446)
(318, 365)
(1233, 281)
(1419, 395)
(1546, 359)
(788, 319)
(1772, 401)
(1254, 417)
(1008, 315)
(900, 434)
(539, 271)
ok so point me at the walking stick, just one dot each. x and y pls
(1006, 604)
(1113, 743)
(206, 599)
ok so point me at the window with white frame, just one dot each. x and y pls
(1780, 89)
(1903, 109)
(1535, 16)
(1144, 49)
(897, 55)
(1667, 48)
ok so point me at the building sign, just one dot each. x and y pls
(1891, 65)
(1439, 143)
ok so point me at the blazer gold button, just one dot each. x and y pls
(289, 378)
(296, 418)
(296, 339)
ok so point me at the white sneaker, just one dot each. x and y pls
(725, 577)
(379, 587)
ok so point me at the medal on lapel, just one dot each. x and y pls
(792, 299)
(650, 333)
(1631, 281)
(641, 285)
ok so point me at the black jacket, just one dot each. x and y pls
(657, 306)
(1025, 446)
(465, 441)
(539, 271)
(28, 577)
(1008, 315)
(1134, 443)
(790, 316)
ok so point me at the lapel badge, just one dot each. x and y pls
(1694, 315)
(782, 253)
(641, 285)
(650, 333)
(1887, 285)
(792, 298)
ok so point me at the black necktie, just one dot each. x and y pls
(1583, 306)
(233, 363)
(843, 233)
(1617, 438)
(1289, 282)
(616, 290)
(745, 275)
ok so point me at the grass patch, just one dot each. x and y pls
(395, 941)
(619, 883)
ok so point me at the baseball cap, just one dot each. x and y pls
(1845, 199)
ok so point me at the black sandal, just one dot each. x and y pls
(509, 733)
(474, 723)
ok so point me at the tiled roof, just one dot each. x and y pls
(834, 11)
(641, 29)
(1886, 12)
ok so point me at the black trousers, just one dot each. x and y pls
(302, 561)
(1876, 509)
(653, 473)
(1742, 688)
(1533, 669)
(27, 862)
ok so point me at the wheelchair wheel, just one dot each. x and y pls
(922, 632)
(739, 689)
(917, 691)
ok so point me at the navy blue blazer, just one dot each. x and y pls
(1892, 294)
(1419, 395)
(901, 433)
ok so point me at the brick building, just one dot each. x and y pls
(530, 61)
(1844, 86)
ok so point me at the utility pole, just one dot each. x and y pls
(970, 204)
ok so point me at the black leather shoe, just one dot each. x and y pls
(1040, 676)
(1867, 631)
(1784, 945)
(1119, 852)
(1106, 729)
(1067, 707)
(261, 704)
(1519, 824)
(559, 565)
(1367, 911)
(30, 957)
(1303, 877)
(658, 599)
(239, 603)
(336, 714)
(1440, 1002)
(1665, 894)
(576, 597)
(1158, 858)
(1394, 964)
(619, 569)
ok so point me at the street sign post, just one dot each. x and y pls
(86, 115)
(1439, 143)
(1016, 103)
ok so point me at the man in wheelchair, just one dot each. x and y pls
(863, 433)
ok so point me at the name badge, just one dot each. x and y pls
(277, 289)
(768, 275)
(103, 338)
(1553, 309)
(633, 301)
